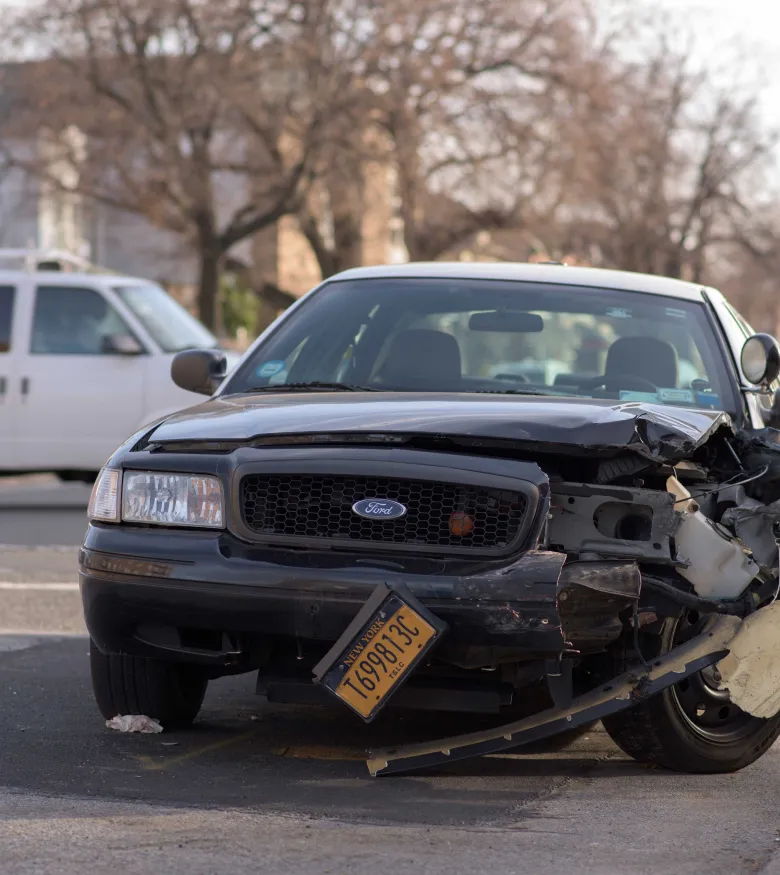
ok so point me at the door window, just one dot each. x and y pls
(6, 316)
(73, 321)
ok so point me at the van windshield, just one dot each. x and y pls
(445, 335)
(171, 326)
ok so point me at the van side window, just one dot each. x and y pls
(6, 316)
(72, 321)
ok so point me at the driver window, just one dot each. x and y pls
(72, 321)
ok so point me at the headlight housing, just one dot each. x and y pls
(172, 499)
(104, 501)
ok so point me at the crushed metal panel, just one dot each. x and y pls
(591, 596)
(757, 449)
(668, 435)
(585, 519)
(754, 523)
(751, 671)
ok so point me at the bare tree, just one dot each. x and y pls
(465, 93)
(204, 118)
(664, 161)
(459, 101)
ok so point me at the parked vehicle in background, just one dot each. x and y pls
(85, 359)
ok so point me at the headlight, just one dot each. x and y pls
(104, 501)
(172, 499)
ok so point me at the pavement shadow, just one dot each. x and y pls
(281, 759)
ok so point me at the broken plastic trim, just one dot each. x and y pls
(623, 692)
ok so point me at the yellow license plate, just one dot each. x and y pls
(381, 654)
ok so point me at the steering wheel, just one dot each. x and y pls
(517, 378)
(614, 383)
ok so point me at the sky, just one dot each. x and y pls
(753, 25)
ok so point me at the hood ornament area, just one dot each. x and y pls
(379, 509)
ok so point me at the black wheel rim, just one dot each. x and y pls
(705, 709)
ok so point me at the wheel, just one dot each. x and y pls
(168, 691)
(691, 727)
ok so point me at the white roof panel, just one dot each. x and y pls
(539, 273)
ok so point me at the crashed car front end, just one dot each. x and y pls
(565, 573)
(376, 509)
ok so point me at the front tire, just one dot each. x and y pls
(170, 692)
(690, 727)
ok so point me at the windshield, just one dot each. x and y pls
(443, 335)
(166, 320)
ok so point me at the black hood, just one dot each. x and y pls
(555, 424)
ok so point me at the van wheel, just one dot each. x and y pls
(690, 727)
(171, 692)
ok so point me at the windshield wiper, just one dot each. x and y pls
(316, 384)
(515, 392)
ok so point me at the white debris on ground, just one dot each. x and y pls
(134, 723)
(751, 671)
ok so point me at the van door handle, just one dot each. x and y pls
(2, 387)
(25, 387)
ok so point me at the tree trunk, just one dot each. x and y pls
(208, 289)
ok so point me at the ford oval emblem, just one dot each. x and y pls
(379, 509)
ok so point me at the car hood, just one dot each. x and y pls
(580, 425)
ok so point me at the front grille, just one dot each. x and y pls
(439, 515)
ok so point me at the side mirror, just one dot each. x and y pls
(199, 370)
(120, 344)
(760, 359)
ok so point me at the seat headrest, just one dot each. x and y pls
(422, 356)
(647, 357)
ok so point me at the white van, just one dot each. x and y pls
(85, 361)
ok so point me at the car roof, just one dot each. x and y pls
(71, 278)
(558, 274)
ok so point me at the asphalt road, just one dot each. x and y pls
(38, 511)
(285, 790)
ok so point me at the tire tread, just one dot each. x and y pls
(169, 692)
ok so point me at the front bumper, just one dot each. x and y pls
(153, 592)
(132, 579)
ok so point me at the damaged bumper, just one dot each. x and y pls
(138, 604)
(625, 691)
(534, 607)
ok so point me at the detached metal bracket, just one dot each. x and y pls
(559, 681)
(623, 692)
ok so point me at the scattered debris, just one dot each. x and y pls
(751, 671)
(716, 563)
(134, 723)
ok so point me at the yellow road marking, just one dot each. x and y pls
(301, 752)
(319, 752)
(158, 764)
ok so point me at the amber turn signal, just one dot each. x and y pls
(461, 524)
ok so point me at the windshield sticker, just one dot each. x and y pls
(270, 369)
(676, 396)
(675, 313)
(618, 313)
(627, 395)
(708, 399)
